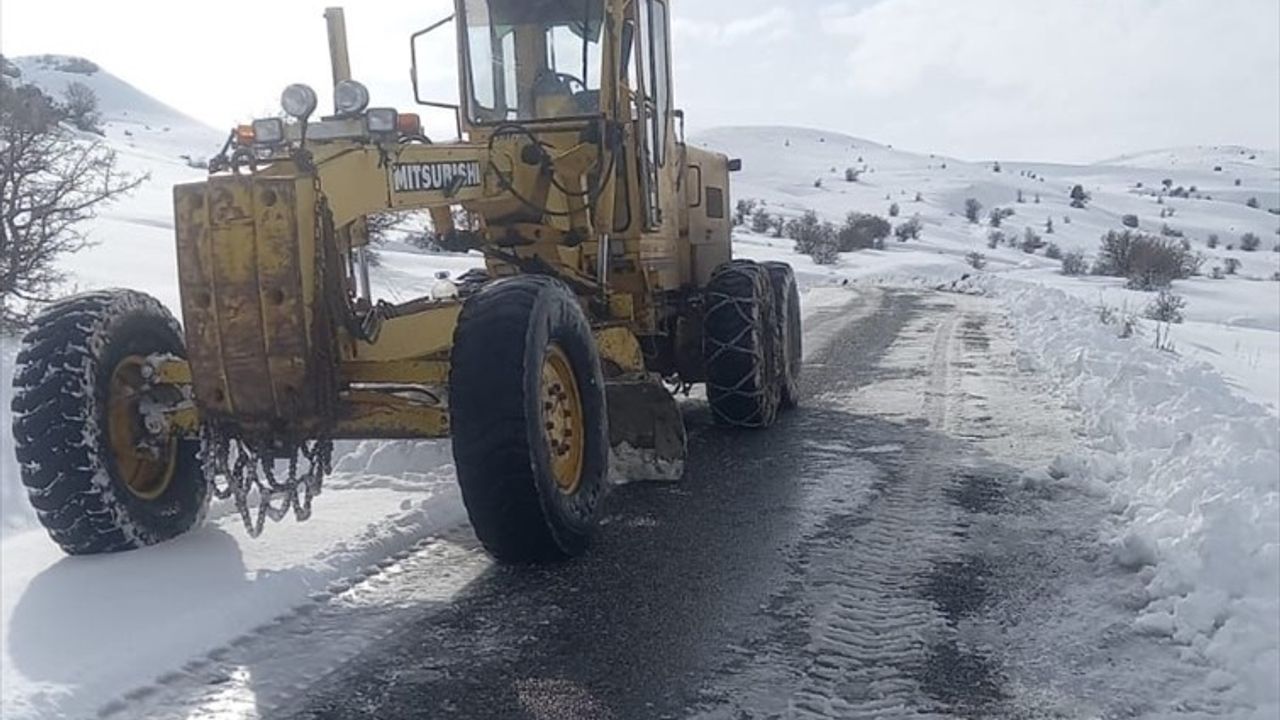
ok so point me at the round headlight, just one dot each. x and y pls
(298, 101)
(350, 97)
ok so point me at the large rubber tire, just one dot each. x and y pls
(504, 339)
(61, 426)
(740, 346)
(786, 303)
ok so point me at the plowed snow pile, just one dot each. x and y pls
(1191, 472)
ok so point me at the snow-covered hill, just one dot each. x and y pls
(1233, 323)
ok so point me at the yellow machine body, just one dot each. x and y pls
(597, 188)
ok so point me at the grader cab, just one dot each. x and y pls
(608, 285)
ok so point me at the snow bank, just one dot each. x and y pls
(1194, 473)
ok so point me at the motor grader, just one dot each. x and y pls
(608, 286)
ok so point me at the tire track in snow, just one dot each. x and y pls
(871, 624)
(874, 635)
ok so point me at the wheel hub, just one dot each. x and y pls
(145, 463)
(562, 417)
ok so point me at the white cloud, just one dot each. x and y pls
(1073, 79)
(769, 25)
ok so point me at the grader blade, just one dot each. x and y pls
(646, 432)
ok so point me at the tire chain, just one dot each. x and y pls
(253, 469)
(744, 307)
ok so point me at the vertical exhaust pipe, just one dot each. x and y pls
(338, 57)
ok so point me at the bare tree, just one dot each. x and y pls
(81, 105)
(50, 184)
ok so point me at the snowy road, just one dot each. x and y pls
(887, 550)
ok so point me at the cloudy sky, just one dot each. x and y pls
(1067, 80)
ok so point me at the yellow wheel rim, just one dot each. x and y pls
(562, 420)
(146, 473)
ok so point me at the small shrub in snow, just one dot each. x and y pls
(779, 226)
(1037, 199)
(824, 252)
(1212, 241)
(894, 210)
(1053, 252)
(1166, 308)
(1252, 202)
(1129, 221)
(995, 167)
(1073, 263)
(814, 238)
(995, 239)
(1123, 321)
(909, 230)
(743, 210)
(1231, 265)
(1048, 226)
(1250, 242)
(1079, 198)
(1031, 241)
(972, 208)
(862, 231)
(919, 197)
(817, 183)
(1149, 263)
(1168, 231)
(851, 175)
(1066, 219)
(976, 260)
(998, 216)
(761, 221)
(1021, 199)
(1237, 183)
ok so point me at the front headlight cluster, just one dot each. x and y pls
(353, 119)
(350, 97)
(298, 101)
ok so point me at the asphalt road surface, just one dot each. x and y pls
(874, 555)
(818, 569)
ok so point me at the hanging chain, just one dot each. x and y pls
(239, 470)
(244, 469)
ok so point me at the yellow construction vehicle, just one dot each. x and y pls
(609, 284)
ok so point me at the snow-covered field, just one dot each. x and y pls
(1183, 447)
(1233, 324)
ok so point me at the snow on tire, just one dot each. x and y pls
(70, 385)
(740, 346)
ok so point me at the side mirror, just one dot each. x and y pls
(735, 164)
(414, 75)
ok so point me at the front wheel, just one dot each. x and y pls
(528, 417)
(99, 480)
